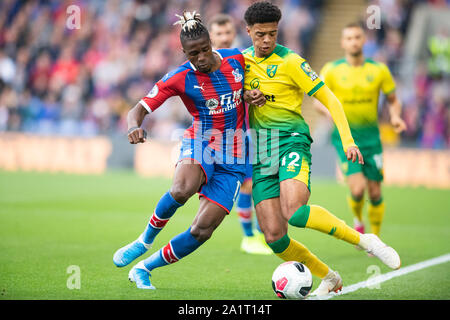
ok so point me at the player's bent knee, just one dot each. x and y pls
(357, 192)
(201, 234)
(357, 186)
(182, 191)
(375, 194)
(273, 236)
(376, 197)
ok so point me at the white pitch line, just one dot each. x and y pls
(387, 276)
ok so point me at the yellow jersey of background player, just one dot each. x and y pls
(357, 82)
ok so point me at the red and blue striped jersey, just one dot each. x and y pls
(215, 101)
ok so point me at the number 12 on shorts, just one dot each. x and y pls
(378, 159)
(293, 162)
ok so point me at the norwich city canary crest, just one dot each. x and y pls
(271, 70)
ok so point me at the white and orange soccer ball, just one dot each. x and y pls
(292, 280)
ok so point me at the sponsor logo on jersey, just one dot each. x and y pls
(271, 70)
(357, 101)
(211, 104)
(228, 101)
(270, 98)
(254, 84)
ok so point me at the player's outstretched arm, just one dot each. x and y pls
(395, 110)
(329, 100)
(135, 118)
(319, 107)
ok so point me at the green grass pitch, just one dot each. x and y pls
(49, 222)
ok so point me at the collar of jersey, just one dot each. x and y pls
(215, 51)
(255, 57)
(366, 60)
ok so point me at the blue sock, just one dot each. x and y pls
(247, 228)
(164, 210)
(177, 248)
(244, 210)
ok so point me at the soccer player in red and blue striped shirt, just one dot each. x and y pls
(213, 153)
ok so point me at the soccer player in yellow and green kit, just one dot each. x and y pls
(357, 82)
(282, 158)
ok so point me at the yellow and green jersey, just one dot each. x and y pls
(358, 89)
(283, 77)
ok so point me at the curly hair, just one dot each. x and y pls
(262, 12)
(191, 26)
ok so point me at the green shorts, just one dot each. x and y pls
(372, 168)
(290, 160)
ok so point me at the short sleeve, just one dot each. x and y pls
(303, 75)
(165, 88)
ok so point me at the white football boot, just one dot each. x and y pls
(331, 282)
(374, 246)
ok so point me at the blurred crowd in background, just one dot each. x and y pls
(57, 80)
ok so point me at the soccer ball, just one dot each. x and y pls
(292, 280)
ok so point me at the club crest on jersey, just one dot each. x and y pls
(212, 104)
(237, 75)
(271, 70)
(309, 71)
(153, 92)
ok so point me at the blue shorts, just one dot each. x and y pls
(223, 181)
